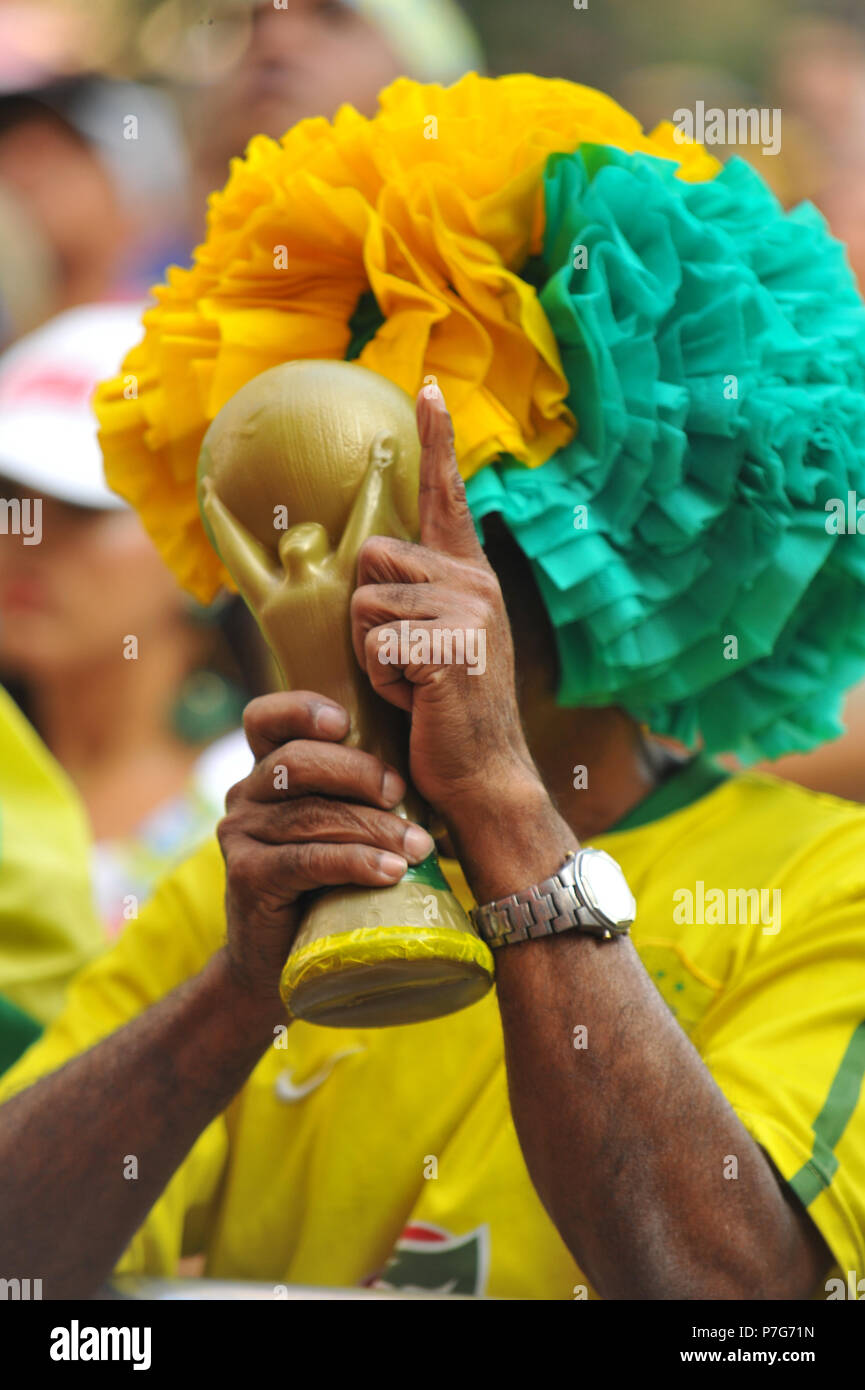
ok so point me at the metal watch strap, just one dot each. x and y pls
(541, 910)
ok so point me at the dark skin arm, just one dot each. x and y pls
(625, 1140)
(149, 1090)
(66, 1210)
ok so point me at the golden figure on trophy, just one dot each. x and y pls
(298, 469)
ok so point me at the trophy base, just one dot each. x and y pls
(388, 994)
(413, 955)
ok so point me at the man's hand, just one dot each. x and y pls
(467, 744)
(311, 814)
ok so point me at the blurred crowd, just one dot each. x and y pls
(118, 117)
(116, 121)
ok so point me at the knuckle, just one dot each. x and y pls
(317, 817)
(359, 822)
(314, 814)
(242, 870)
(406, 598)
(224, 832)
(372, 649)
(359, 861)
(345, 818)
(457, 493)
(359, 606)
(234, 795)
(484, 615)
(309, 861)
(284, 766)
(252, 716)
(233, 824)
(487, 585)
(485, 607)
(374, 553)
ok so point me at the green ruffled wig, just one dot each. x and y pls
(715, 351)
(711, 348)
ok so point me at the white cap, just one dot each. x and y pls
(48, 431)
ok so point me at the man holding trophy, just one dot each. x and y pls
(294, 1064)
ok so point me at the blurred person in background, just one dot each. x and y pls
(48, 923)
(64, 189)
(27, 270)
(837, 768)
(132, 687)
(817, 72)
(308, 57)
(816, 75)
(104, 182)
(819, 76)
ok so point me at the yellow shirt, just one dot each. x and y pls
(48, 922)
(351, 1156)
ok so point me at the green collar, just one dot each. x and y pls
(696, 779)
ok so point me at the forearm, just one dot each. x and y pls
(627, 1138)
(67, 1211)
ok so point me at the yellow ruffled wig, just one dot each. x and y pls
(433, 208)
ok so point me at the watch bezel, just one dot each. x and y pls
(582, 884)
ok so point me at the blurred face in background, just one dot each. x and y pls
(843, 204)
(69, 195)
(820, 74)
(67, 604)
(303, 60)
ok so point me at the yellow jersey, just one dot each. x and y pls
(389, 1157)
(49, 926)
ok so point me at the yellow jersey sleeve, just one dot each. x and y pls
(177, 933)
(785, 1041)
(48, 922)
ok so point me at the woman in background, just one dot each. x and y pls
(135, 690)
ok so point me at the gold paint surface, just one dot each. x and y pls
(297, 470)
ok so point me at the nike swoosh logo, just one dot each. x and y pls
(290, 1091)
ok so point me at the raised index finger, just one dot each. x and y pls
(445, 520)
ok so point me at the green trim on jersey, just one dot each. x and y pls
(832, 1121)
(696, 779)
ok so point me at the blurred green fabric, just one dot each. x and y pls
(17, 1031)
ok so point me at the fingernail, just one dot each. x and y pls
(392, 789)
(330, 720)
(392, 865)
(418, 844)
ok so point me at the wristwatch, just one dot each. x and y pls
(589, 893)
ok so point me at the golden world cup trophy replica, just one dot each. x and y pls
(303, 464)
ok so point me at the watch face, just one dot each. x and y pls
(605, 887)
